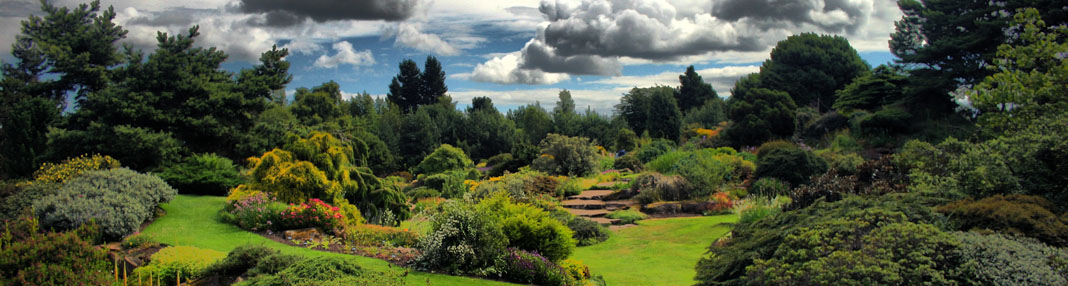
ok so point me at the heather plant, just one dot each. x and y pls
(119, 200)
(179, 262)
(531, 268)
(206, 174)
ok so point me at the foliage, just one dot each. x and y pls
(845, 164)
(31, 257)
(708, 115)
(203, 174)
(532, 121)
(655, 149)
(187, 261)
(487, 133)
(629, 161)
(563, 155)
(627, 216)
(1020, 215)
(444, 158)
(1000, 260)
(240, 260)
(23, 133)
(790, 164)
(255, 212)
(654, 187)
(626, 140)
(72, 167)
(769, 187)
(376, 235)
(450, 184)
(882, 87)
(811, 67)
(529, 228)
(756, 208)
(875, 177)
(652, 110)
(587, 232)
(119, 200)
(889, 120)
(462, 240)
(693, 92)
(314, 213)
(412, 88)
(21, 201)
(759, 115)
(529, 267)
(570, 187)
(326, 271)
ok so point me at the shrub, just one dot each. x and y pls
(256, 212)
(450, 183)
(462, 241)
(665, 163)
(187, 261)
(790, 164)
(530, 228)
(891, 120)
(444, 158)
(375, 235)
(314, 213)
(757, 208)
(1022, 215)
(72, 167)
(1001, 260)
(769, 187)
(627, 216)
(20, 203)
(654, 149)
(423, 193)
(568, 156)
(530, 268)
(576, 270)
(569, 187)
(653, 187)
(629, 161)
(239, 260)
(499, 159)
(846, 164)
(205, 174)
(326, 271)
(31, 257)
(587, 232)
(119, 200)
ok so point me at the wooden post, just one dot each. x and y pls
(124, 273)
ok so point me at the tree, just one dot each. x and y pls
(22, 146)
(481, 104)
(693, 91)
(444, 158)
(487, 132)
(433, 81)
(533, 122)
(564, 115)
(882, 87)
(811, 67)
(652, 110)
(568, 156)
(759, 115)
(269, 78)
(318, 105)
(406, 87)
(418, 137)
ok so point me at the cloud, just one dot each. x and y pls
(505, 70)
(537, 55)
(408, 35)
(834, 16)
(721, 78)
(288, 12)
(346, 55)
(602, 101)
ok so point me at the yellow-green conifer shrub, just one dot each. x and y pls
(72, 167)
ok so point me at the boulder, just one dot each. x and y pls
(304, 234)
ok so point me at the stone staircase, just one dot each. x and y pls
(589, 205)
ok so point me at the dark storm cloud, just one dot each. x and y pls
(536, 55)
(19, 8)
(289, 12)
(778, 13)
(172, 17)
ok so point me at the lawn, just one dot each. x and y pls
(656, 252)
(190, 220)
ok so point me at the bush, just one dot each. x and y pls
(627, 216)
(382, 236)
(846, 164)
(530, 268)
(788, 163)
(499, 159)
(653, 150)
(203, 174)
(769, 187)
(653, 187)
(72, 167)
(576, 270)
(569, 187)
(449, 183)
(1001, 260)
(30, 257)
(462, 241)
(256, 212)
(444, 158)
(891, 120)
(629, 161)
(587, 232)
(567, 156)
(119, 200)
(757, 208)
(326, 271)
(187, 261)
(423, 193)
(529, 228)
(1021, 215)
(239, 260)
(314, 213)
(21, 202)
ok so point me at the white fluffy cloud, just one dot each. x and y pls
(505, 70)
(409, 35)
(345, 55)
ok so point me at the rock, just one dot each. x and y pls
(304, 234)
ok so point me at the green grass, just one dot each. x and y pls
(656, 252)
(190, 220)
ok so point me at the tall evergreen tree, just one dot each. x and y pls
(406, 87)
(433, 81)
(693, 91)
(811, 67)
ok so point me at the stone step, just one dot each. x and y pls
(588, 213)
(603, 220)
(620, 204)
(583, 204)
(591, 195)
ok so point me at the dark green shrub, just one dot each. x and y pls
(31, 257)
(568, 156)
(499, 159)
(1021, 215)
(569, 187)
(825, 124)
(652, 150)
(769, 187)
(449, 183)
(875, 177)
(627, 216)
(653, 187)
(890, 120)
(587, 232)
(629, 161)
(790, 164)
(326, 271)
(462, 240)
(1000, 260)
(203, 174)
(240, 260)
(444, 158)
(531, 268)
(846, 164)
(20, 202)
(424, 192)
(529, 228)
(119, 200)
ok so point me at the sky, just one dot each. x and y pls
(514, 51)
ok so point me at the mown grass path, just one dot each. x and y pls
(656, 252)
(190, 220)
